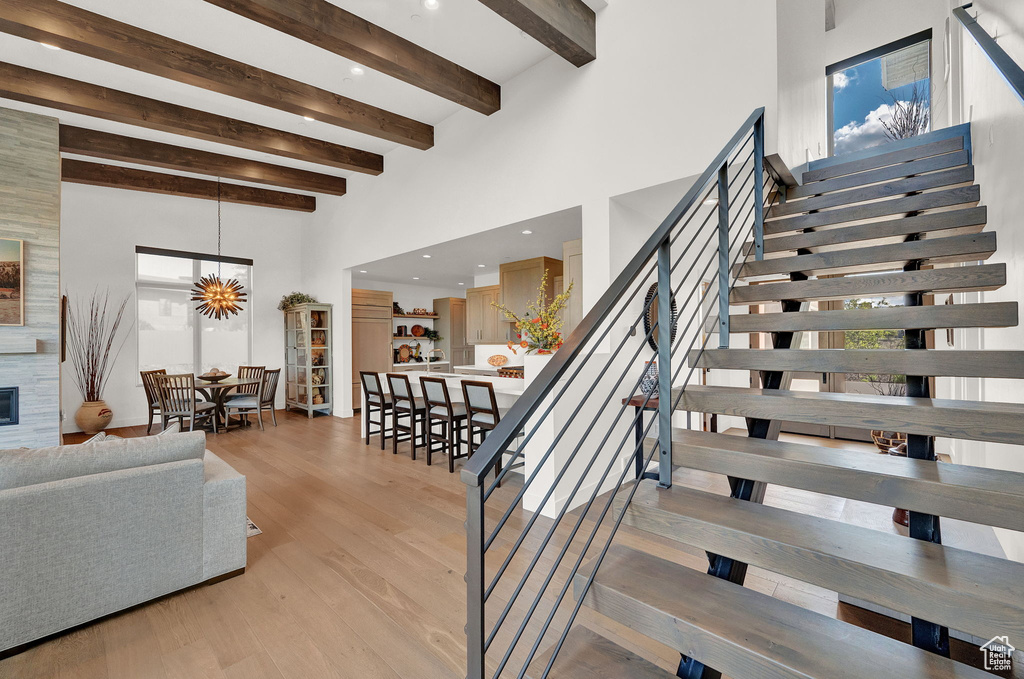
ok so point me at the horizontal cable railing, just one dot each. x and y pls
(579, 427)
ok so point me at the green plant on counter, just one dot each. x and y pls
(295, 298)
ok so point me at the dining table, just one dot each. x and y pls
(218, 392)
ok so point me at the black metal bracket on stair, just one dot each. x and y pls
(926, 635)
(747, 489)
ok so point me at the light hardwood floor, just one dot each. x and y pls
(358, 574)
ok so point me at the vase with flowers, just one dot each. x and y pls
(540, 331)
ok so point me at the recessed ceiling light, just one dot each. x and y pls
(49, 46)
(431, 4)
(357, 70)
(362, 271)
(527, 232)
(415, 17)
(426, 256)
(415, 278)
(482, 266)
(309, 118)
(461, 283)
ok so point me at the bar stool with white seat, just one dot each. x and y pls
(450, 417)
(405, 404)
(377, 401)
(483, 414)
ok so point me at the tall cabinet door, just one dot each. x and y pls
(371, 348)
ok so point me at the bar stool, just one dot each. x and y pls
(404, 404)
(450, 417)
(483, 414)
(376, 402)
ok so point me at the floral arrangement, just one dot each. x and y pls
(542, 333)
(294, 299)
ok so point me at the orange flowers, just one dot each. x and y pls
(541, 333)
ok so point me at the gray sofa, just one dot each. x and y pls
(92, 529)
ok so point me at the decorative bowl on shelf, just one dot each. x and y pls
(418, 330)
(214, 376)
(420, 312)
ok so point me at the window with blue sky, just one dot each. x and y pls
(881, 99)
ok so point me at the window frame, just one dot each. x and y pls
(197, 259)
(864, 57)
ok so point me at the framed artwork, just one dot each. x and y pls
(12, 282)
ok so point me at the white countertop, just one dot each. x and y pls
(509, 386)
(424, 363)
(483, 368)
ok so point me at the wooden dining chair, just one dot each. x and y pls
(178, 399)
(248, 372)
(483, 414)
(152, 393)
(376, 402)
(450, 417)
(249, 404)
(405, 404)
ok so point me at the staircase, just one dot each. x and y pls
(903, 219)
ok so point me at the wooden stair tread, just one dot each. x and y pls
(902, 186)
(922, 362)
(957, 279)
(986, 315)
(970, 592)
(966, 248)
(877, 157)
(991, 497)
(966, 220)
(977, 420)
(585, 654)
(897, 171)
(744, 633)
(962, 195)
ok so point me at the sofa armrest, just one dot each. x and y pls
(224, 522)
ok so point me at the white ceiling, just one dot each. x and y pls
(458, 261)
(464, 31)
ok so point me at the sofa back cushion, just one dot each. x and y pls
(26, 467)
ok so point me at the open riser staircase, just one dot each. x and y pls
(593, 586)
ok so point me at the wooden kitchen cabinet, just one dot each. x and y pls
(451, 325)
(372, 343)
(521, 280)
(572, 270)
(482, 319)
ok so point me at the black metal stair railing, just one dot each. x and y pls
(579, 425)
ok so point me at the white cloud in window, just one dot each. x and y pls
(840, 80)
(855, 136)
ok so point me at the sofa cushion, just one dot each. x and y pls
(28, 467)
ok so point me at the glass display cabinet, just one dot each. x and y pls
(309, 359)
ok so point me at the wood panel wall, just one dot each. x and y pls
(30, 211)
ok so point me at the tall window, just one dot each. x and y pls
(171, 333)
(880, 96)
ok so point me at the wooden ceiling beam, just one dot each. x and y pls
(566, 27)
(114, 176)
(336, 30)
(130, 150)
(94, 35)
(65, 94)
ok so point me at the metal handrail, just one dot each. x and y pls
(729, 175)
(485, 457)
(1011, 72)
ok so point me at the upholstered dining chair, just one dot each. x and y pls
(376, 402)
(257, 403)
(405, 405)
(248, 372)
(152, 393)
(177, 394)
(449, 417)
(483, 414)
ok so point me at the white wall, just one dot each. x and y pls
(102, 226)
(997, 132)
(805, 49)
(655, 106)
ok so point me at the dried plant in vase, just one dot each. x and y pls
(92, 329)
(541, 333)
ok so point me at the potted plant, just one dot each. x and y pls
(541, 333)
(92, 337)
(296, 298)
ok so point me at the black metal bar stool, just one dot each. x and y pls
(376, 402)
(451, 418)
(405, 404)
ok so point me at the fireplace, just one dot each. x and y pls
(8, 405)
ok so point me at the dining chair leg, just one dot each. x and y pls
(366, 423)
(273, 416)
(412, 432)
(394, 433)
(383, 426)
(259, 417)
(149, 428)
(430, 447)
(213, 416)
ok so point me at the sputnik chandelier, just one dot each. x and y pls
(219, 298)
